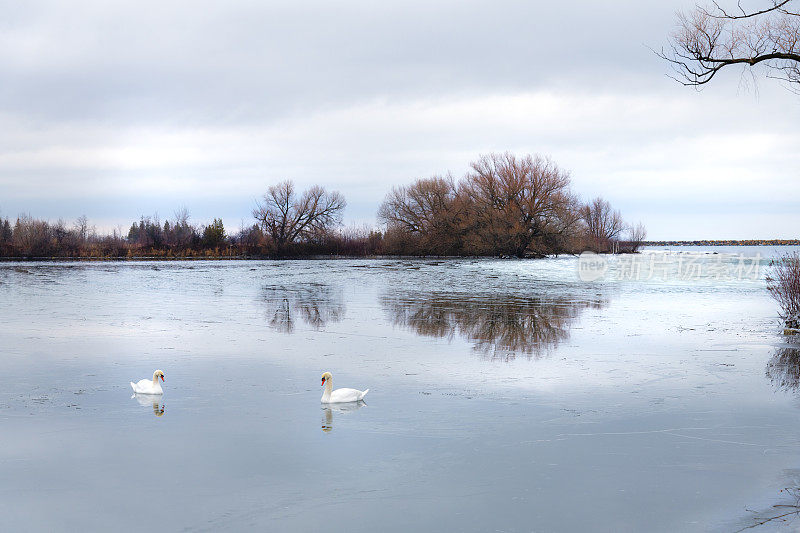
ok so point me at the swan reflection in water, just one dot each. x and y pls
(783, 368)
(314, 303)
(344, 408)
(499, 325)
(148, 400)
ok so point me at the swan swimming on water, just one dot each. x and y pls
(339, 395)
(145, 386)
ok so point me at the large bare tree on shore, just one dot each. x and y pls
(287, 218)
(709, 39)
(429, 209)
(519, 202)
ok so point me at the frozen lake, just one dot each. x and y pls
(505, 395)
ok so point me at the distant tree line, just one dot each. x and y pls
(728, 242)
(504, 206)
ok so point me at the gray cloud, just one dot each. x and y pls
(199, 62)
(119, 109)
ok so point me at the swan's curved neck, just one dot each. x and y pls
(155, 378)
(326, 394)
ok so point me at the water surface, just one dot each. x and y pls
(504, 396)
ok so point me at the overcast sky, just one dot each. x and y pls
(121, 109)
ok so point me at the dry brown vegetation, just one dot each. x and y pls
(783, 283)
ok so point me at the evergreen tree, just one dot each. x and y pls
(133, 233)
(214, 234)
(5, 232)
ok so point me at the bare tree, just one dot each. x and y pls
(709, 39)
(289, 219)
(636, 236)
(429, 210)
(180, 234)
(604, 224)
(518, 203)
(82, 228)
(32, 237)
(181, 216)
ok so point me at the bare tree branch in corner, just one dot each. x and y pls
(712, 38)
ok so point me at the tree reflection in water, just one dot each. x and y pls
(783, 369)
(314, 303)
(499, 325)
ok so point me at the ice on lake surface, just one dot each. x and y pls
(504, 395)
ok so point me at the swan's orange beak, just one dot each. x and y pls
(323, 382)
(162, 378)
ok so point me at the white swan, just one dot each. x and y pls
(339, 395)
(145, 386)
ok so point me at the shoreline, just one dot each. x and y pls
(280, 258)
(256, 258)
(323, 257)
